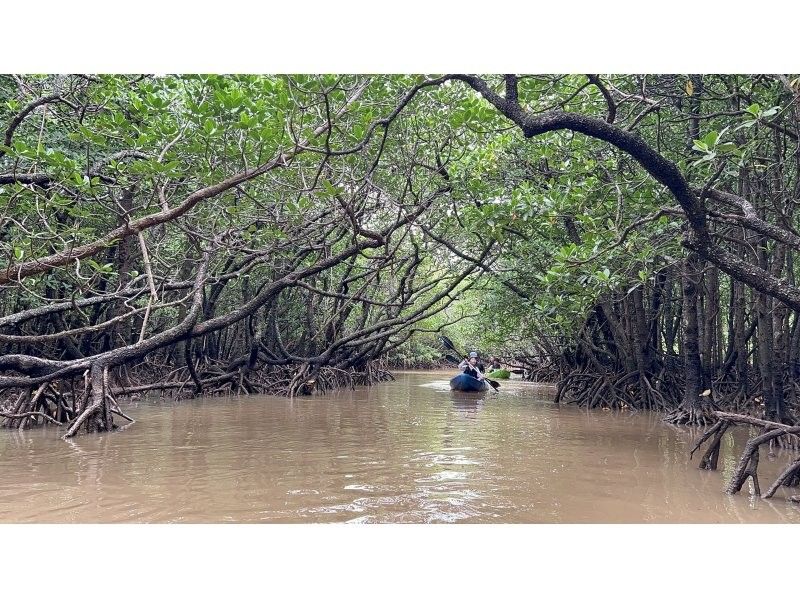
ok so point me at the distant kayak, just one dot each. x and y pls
(466, 383)
(501, 374)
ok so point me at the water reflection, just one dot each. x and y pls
(466, 403)
(410, 451)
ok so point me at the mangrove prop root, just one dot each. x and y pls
(613, 390)
(691, 416)
(747, 466)
(748, 462)
(88, 401)
(29, 407)
(97, 416)
(711, 456)
(787, 478)
(31, 414)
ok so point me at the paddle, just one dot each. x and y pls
(493, 383)
(451, 347)
(448, 344)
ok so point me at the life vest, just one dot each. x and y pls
(471, 371)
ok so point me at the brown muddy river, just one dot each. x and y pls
(407, 451)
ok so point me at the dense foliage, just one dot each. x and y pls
(630, 237)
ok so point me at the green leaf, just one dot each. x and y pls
(328, 189)
(711, 138)
(727, 148)
(753, 109)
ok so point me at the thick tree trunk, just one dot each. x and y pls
(695, 409)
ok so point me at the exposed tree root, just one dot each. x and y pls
(610, 390)
(33, 414)
(35, 408)
(711, 456)
(747, 466)
(748, 463)
(790, 477)
(98, 415)
(699, 413)
(90, 403)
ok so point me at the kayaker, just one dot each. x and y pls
(495, 364)
(469, 366)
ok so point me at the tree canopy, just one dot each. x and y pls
(630, 236)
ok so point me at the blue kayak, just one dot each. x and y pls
(467, 383)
